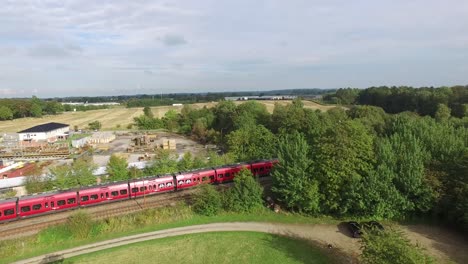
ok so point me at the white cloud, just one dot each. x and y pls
(101, 47)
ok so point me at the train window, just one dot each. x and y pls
(8, 212)
(228, 175)
(46, 205)
(61, 202)
(142, 189)
(52, 204)
(0, 213)
(84, 198)
(169, 184)
(161, 185)
(107, 195)
(204, 178)
(37, 206)
(123, 192)
(262, 169)
(94, 197)
(212, 177)
(188, 181)
(102, 196)
(114, 193)
(181, 182)
(25, 209)
(220, 175)
(134, 190)
(154, 186)
(71, 201)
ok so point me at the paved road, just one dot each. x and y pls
(324, 234)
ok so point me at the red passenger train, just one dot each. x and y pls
(15, 208)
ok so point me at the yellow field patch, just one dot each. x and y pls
(111, 118)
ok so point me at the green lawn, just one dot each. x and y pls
(59, 237)
(219, 247)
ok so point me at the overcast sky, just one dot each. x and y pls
(71, 47)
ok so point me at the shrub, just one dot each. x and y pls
(393, 248)
(207, 201)
(245, 195)
(80, 225)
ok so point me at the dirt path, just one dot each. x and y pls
(444, 250)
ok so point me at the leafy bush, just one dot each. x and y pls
(393, 248)
(80, 225)
(245, 195)
(207, 201)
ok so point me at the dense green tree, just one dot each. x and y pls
(207, 201)
(406, 159)
(371, 116)
(147, 112)
(343, 158)
(215, 160)
(292, 179)
(38, 184)
(95, 125)
(289, 118)
(186, 163)
(442, 113)
(251, 113)
(164, 162)
(117, 168)
(36, 110)
(250, 143)
(80, 173)
(5, 113)
(144, 122)
(170, 120)
(225, 112)
(245, 195)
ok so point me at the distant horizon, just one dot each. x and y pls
(219, 92)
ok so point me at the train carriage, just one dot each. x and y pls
(8, 209)
(55, 201)
(94, 195)
(118, 190)
(262, 167)
(195, 177)
(228, 172)
(164, 183)
(44, 203)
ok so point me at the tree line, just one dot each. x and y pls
(35, 107)
(361, 162)
(424, 100)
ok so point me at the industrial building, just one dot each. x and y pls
(49, 132)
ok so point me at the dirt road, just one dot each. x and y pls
(322, 235)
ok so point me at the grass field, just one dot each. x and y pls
(219, 247)
(111, 118)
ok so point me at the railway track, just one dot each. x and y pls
(31, 226)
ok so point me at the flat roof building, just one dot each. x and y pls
(50, 132)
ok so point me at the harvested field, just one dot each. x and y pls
(111, 118)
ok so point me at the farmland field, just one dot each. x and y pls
(111, 118)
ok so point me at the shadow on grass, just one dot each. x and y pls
(307, 251)
(52, 259)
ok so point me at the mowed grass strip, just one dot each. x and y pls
(121, 116)
(217, 247)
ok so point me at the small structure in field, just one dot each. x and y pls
(101, 138)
